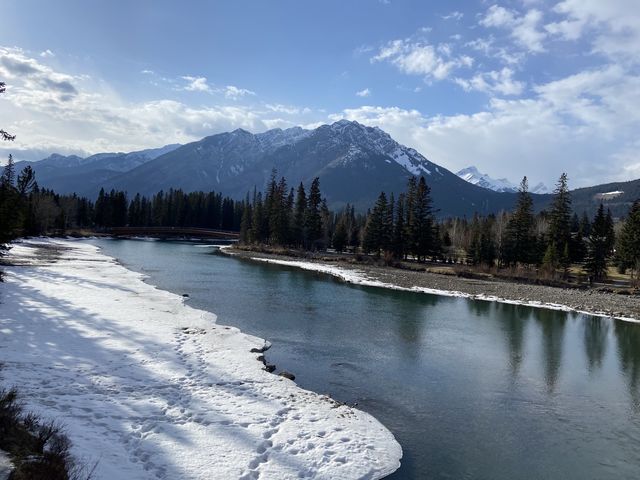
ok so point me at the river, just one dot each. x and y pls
(470, 389)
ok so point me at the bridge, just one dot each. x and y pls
(172, 232)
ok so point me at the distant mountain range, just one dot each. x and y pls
(354, 162)
(472, 175)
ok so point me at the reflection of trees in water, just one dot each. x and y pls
(513, 319)
(481, 308)
(411, 313)
(552, 324)
(628, 336)
(595, 341)
(514, 328)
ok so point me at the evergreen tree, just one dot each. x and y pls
(599, 241)
(313, 218)
(299, 236)
(340, 235)
(559, 227)
(421, 221)
(376, 228)
(628, 254)
(398, 244)
(519, 245)
(9, 173)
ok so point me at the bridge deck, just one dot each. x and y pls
(173, 232)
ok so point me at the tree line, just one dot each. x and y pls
(547, 243)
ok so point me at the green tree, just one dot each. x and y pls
(313, 217)
(628, 254)
(421, 221)
(559, 227)
(598, 250)
(340, 235)
(376, 228)
(519, 245)
(299, 236)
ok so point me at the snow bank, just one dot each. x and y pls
(358, 277)
(151, 388)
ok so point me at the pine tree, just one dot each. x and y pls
(313, 217)
(9, 172)
(376, 228)
(559, 227)
(628, 254)
(340, 235)
(596, 265)
(398, 244)
(421, 221)
(299, 216)
(519, 245)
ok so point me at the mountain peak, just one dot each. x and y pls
(472, 175)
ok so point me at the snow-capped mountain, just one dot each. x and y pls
(354, 163)
(472, 175)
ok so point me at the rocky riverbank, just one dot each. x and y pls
(593, 301)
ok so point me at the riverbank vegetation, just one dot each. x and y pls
(556, 246)
(39, 450)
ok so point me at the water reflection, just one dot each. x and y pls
(552, 324)
(514, 321)
(596, 330)
(628, 337)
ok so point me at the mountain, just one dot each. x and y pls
(617, 197)
(354, 162)
(472, 175)
(69, 174)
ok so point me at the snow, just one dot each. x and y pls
(472, 175)
(357, 277)
(151, 388)
(402, 159)
(609, 195)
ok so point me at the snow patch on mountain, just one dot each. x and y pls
(472, 175)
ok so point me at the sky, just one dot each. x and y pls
(514, 87)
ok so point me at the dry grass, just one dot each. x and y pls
(39, 450)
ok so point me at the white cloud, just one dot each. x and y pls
(287, 109)
(418, 58)
(615, 25)
(455, 15)
(196, 84)
(585, 124)
(51, 111)
(233, 92)
(364, 93)
(525, 29)
(495, 81)
(47, 53)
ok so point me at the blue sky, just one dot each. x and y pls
(520, 87)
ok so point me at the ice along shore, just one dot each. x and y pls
(149, 387)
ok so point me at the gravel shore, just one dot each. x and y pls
(590, 300)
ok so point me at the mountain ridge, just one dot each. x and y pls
(354, 162)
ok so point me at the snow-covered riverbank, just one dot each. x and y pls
(151, 388)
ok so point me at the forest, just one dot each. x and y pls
(547, 243)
